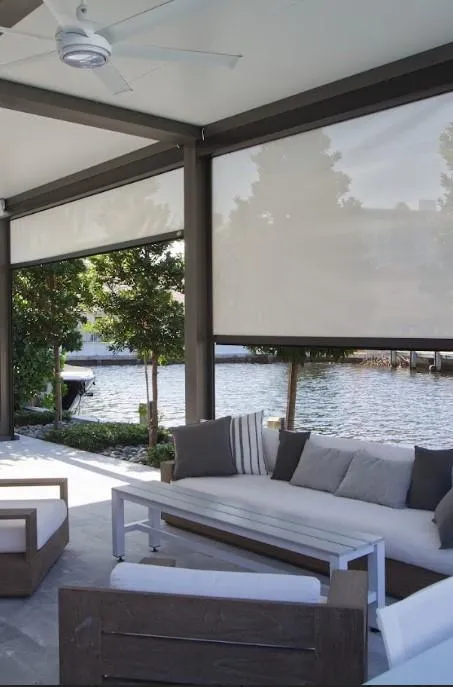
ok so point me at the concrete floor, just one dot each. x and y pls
(28, 627)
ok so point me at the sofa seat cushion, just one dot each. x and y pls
(215, 583)
(50, 514)
(410, 535)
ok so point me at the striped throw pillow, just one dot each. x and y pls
(247, 443)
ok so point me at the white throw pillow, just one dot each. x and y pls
(247, 443)
(140, 577)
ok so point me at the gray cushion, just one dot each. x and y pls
(376, 480)
(431, 477)
(290, 448)
(204, 450)
(443, 517)
(320, 467)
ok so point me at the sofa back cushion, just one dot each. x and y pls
(374, 479)
(379, 449)
(139, 577)
(270, 448)
(376, 448)
(320, 467)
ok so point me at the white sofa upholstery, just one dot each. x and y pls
(50, 514)
(138, 577)
(410, 535)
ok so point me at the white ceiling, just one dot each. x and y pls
(35, 150)
(287, 46)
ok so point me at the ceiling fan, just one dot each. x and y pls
(82, 44)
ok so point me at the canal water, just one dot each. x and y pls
(341, 399)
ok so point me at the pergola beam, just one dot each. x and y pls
(38, 101)
(140, 164)
(397, 83)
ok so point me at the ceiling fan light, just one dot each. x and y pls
(85, 59)
(82, 51)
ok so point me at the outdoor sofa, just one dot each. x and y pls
(414, 557)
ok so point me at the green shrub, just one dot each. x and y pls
(97, 436)
(160, 453)
(33, 417)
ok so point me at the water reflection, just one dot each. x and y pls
(346, 400)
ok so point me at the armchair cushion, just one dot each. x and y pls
(50, 514)
(215, 583)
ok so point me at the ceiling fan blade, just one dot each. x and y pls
(27, 60)
(61, 15)
(150, 52)
(24, 34)
(114, 82)
(148, 19)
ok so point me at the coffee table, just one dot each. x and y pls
(335, 545)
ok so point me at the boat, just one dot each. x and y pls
(78, 382)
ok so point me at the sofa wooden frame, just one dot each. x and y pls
(402, 579)
(129, 637)
(21, 573)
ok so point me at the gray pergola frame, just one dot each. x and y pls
(192, 148)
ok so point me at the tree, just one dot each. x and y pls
(53, 295)
(32, 358)
(296, 356)
(136, 290)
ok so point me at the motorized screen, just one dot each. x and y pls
(344, 231)
(141, 210)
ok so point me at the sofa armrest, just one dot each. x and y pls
(167, 468)
(61, 482)
(31, 530)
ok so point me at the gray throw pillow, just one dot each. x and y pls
(376, 480)
(443, 517)
(290, 447)
(204, 450)
(431, 477)
(320, 467)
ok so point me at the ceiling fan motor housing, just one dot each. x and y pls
(82, 51)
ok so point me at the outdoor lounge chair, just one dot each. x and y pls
(418, 622)
(33, 534)
(126, 636)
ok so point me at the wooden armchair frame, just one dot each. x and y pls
(21, 573)
(127, 637)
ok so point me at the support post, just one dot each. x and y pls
(438, 361)
(199, 342)
(6, 355)
(393, 359)
(413, 360)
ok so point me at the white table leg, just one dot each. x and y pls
(337, 563)
(118, 536)
(376, 581)
(154, 523)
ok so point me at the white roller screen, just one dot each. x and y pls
(345, 231)
(136, 211)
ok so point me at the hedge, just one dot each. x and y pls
(34, 417)
(97, 436)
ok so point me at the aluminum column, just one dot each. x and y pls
(199, 343)
(6, 356)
